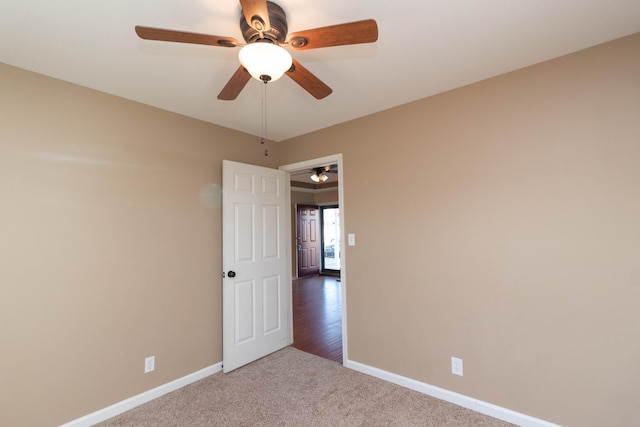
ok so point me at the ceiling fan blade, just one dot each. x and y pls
(149, 33)
(234, 86)
(308, 81)
(336, 35)
(256, 14)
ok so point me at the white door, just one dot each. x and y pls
(257, 317)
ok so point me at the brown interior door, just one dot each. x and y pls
(308, 240)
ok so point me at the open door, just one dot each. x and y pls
(257, 318)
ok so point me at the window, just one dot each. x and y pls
(330, 218)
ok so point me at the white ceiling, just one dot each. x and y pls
(425, 47)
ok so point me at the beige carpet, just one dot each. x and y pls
(293, 388)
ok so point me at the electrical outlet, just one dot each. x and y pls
(456, 366)
(149, 364)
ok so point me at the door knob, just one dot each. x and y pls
(231, 274)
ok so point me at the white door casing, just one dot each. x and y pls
(257, 318)
(318, 162)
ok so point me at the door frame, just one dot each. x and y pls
(310, 164)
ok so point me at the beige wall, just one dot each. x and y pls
(110, 246)
(326, 197)
(504, 231)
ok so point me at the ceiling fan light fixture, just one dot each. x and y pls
(319, 177)
(265, 61)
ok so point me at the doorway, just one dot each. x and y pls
(307, 165)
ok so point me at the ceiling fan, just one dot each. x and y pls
(264, 28)
(320, 174)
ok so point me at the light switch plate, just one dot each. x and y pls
(351, 238)
(149, 364)
(456, 366)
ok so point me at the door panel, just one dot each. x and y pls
(245, 322)
(271, 291)
(256, 301)
(244, 239)
(271, 232)
(308, 219)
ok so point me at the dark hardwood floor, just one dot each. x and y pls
(317, 316)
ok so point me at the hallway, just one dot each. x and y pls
(317, 316)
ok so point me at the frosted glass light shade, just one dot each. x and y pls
(319, 177)
(265, 61)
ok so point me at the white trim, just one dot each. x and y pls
(451, 396)
(323, 161)
(147, 396)
(289, 255)
(312, 190)
(437, 392)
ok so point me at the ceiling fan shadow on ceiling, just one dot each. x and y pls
(264, 28)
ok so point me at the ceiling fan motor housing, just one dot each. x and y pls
(276, 33)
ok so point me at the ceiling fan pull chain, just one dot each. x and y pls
(264, 112)
(264, 117)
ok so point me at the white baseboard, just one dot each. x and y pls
(147, 396)
(437, 392)
(451, 396)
